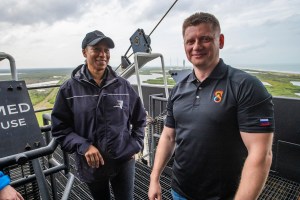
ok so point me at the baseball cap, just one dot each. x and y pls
(94, 37)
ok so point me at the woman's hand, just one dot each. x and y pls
(93, 157)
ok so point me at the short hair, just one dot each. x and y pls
(199, 18)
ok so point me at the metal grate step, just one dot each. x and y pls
(278, 188)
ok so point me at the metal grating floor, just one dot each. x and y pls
(80, 189)
(278, 188)
(142, 179)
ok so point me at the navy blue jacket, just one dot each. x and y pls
(111, 117)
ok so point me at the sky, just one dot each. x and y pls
(48, 34)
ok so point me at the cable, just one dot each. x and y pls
(155, 26)
(163, 17)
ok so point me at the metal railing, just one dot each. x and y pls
(35, 174)
(277, 187)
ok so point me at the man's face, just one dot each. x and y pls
(97, 56)
(202, 45)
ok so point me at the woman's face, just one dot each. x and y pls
(97, 56)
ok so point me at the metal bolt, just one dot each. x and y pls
(37, 144)
(27, 147)
(19, 87)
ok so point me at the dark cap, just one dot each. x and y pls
(94, 37)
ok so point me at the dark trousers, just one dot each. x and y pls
(121, 181)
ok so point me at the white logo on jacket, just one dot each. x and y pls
(119, 104)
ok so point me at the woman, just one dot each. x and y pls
(99, 116)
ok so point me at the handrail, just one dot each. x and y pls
(28, 155)
(12, 64)
(140, 59)
(43, 87)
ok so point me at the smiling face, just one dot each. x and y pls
(202, 44)
(97, 56)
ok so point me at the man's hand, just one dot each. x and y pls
(164, 151)
(93, 157)
(154, 192)
(9, 193)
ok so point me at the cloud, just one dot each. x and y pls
(245, 47)
(260, 13)
(29, 12)
(49, 33)
(155, 11)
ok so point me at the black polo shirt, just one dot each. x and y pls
(208, 118)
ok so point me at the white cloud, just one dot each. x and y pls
(49, 33)
(245, 47)
(37, 11)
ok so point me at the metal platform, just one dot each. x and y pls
(276, 188)
(80, 190)
(142, 180)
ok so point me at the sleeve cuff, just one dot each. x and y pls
(4, 181)
(83, 148)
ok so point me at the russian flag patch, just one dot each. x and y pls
(264, 122)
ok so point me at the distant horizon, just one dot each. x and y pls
(189, 65)
(284, 68)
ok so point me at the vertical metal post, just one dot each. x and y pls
(139, 85)
(68, 187)
(52, 176)
(164, 76)
(41, 180)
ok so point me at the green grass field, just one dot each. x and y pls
(280, 83)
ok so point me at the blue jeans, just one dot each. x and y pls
(177, 196)
(121, 181)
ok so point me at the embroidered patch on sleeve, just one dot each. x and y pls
(264, 122)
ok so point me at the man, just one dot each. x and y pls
(219, 125)
(6, 191)
(99, 116)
